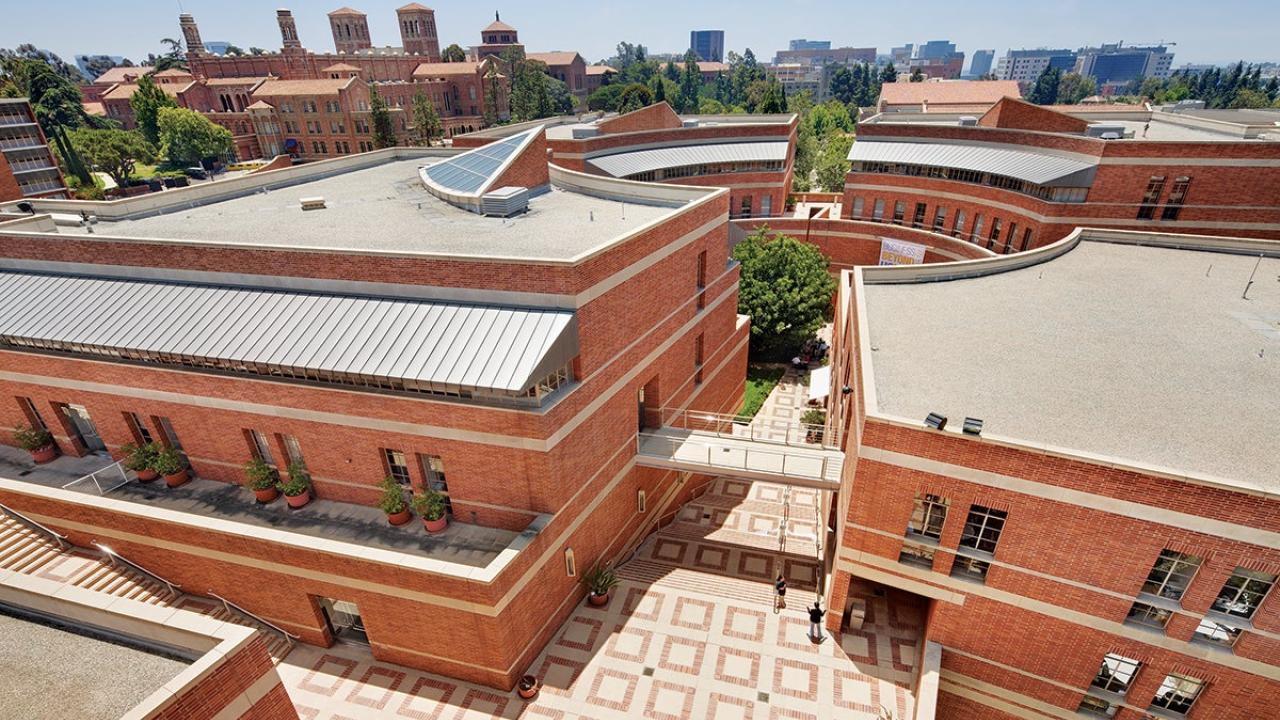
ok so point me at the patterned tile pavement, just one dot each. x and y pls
(708, 645)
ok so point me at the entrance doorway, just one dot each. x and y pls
(343, 619)
(647, 401)
(86, 432)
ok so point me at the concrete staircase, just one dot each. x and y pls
(24, 549)
(727, 545)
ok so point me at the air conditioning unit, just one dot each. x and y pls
(968, 121)
(312, 203)
(505, 201)
(585, 131)
(689, 123)
(1106, 132)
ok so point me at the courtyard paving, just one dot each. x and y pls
(690, 633)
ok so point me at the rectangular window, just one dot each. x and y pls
(857, 209)
(433, 471)
(877, 211)
(982, 529)
(1026, 239)
(702, 270)
(1148, 615)
(1009, 240)
(1177, 693)
(970, 568)
(995, 233)
(939, 218)
(1098, 707)
(261, 448)
(1171, 574)
(766, 204)
(928, 516)
(138, 428)
(746, 206)
(917, 220)
(918, 555)
(1216, 633)
(1151, 198)
(1244, 592)
(1177, 196)
(397, 467)
(33, 415)
(697, 359)
(899, 211)
(977, 228)
(957, 224)
(292, 447)
(1116, 674)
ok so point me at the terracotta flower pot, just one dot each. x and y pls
(146, 474)
(399, 518)
(598, 600)
(179, 478)
(437, 525)
(44, 454)
(267, 495)
(297, 501)
(528, 687)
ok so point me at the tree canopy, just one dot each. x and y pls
(113, 151)
(785, 288)
(917, 75)
(1045, 91)
(188, 138)
(453, 53)
(146, 102)
(54, 98)
(426, 122)
(384, 132)
(1238, 85)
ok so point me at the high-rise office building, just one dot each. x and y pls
(803, 44)
(981, 63)
(707, 44)
(1115, 64)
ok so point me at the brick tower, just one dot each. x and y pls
(191, 34)
(350, 30)
(288, 30)
(418, 31)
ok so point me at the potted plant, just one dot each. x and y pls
(297, 489)
(139, 459)
(599, 581)
(393, 502)
(169, 463)
(430, 507)
(262, 480)
(529, 687)
(38, 442)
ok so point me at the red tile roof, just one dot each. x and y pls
(553, 58)
(948, 92)
(121, 74)
(274, 88)
(345, 11)
(438, 69)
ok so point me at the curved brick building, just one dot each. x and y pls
(1022, 176)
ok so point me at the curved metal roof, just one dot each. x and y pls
(419, 345)
(626, 164)
(1036, 167)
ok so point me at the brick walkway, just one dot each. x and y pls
(689, 633)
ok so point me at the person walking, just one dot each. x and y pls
(780, 585)
(815, 623)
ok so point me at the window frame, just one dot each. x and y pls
(1178, 560)
(389, 457)
(1244, 573)
(1172, 680)
(1121, 663)
(975, 542)
(929, 507)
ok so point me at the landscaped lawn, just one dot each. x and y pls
(760, 382)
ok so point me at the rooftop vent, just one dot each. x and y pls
(586, 131)
(1106, 132)
(1183, 105)
(936, 421)
(968, 121)
(689, 123)
(505, 201)
(312, 203)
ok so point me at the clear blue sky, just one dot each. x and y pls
(1217, 32)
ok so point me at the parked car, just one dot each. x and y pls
(198, 173)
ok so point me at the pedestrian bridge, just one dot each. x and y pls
(790, 453)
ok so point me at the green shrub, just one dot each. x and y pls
(140, 457)
(261, 476)
(600, 580)
(168, 461)
(392, 501)
(32, 438)
(430, 505)
(298, 483)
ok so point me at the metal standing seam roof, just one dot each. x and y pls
(405, 344)
(630, 163)
(1035, 167)
(473, 172)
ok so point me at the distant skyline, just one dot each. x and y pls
(1224, 32)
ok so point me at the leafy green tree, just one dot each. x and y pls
(785, 288)
(659, 87)
(491, 80)
(888, 74)
(808, 149)
(426, 122)
(384, 131)
(56, 102)
(842, 85)
(96, 65)
(254, 50)
(1248, 98)
(60, 67)
(605, 97)
(916, 75)
(172, 58)
(833, 163)
(670, 72)
(146, 102)
(234, 50)
(454, 53)
(1045, 91)
(560, 100)
(690, 83)
(188, 138)
(634, 97)
(529, 91)
(628, 55)
(114, 152)
(774, 100)
(1073, 88)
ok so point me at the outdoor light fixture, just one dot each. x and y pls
(936, 421)
(846, 390)
(972, 426)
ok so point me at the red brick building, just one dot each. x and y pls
(752, 155)
(1063, 452)
(557, 333)
(1021, 176)
(27, 166)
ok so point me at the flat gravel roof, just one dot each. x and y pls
(1147, 355)
(53, 673)
(385, 208)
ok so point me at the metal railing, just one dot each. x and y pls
(234, 608)
(58, 537)
(780, 432)
(175, 590)
(102, 479)
(737, 457)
